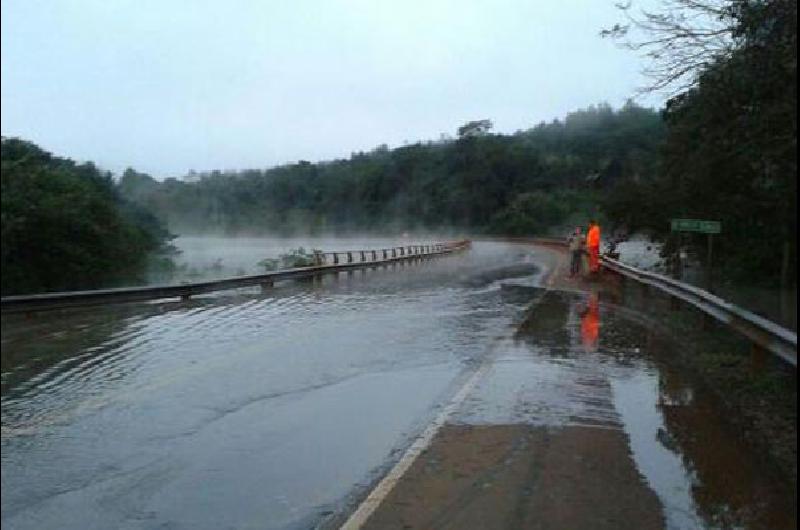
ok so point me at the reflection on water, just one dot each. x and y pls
(590, 323)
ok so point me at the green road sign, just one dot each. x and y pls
(696, 225)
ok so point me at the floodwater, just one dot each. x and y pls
(280, 410)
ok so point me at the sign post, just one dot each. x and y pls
(709, 285)
(704, 227)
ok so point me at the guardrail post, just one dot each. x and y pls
(349, 257)
(674, 303)
(363, 257)
(758, 358)
(374, 255)
(335, 258)
(385, 256)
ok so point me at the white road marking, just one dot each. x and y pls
(382, 490)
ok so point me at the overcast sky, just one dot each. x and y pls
(166, 86)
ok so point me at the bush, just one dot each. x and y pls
(295, 258)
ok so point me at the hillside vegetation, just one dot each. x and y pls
(522, 183)
(65, 226)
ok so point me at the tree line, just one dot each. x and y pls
(520, 183)
(66, 226)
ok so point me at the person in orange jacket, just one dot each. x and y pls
(593, 246)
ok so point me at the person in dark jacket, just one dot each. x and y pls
(575, 250)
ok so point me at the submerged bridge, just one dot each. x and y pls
(325, 263)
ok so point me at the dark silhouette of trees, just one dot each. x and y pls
(65, 226)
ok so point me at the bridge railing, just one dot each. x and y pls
(60, 300)
(377, 255)
(761, 331)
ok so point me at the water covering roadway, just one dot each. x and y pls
(283, 409)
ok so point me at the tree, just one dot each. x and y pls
(474, 128)
(680, 41)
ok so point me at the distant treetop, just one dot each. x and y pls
(474, 128)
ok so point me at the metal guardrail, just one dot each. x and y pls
(761, 331)
(368, 258)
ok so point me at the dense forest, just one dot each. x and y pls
(65, 226)
(524, 183)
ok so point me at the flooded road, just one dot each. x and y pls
(282, 410)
